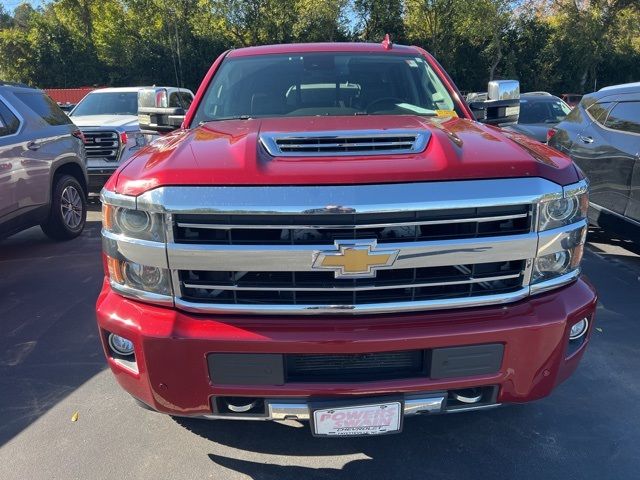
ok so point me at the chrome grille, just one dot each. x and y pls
(103, 144)
(309, 144)
(433, 245)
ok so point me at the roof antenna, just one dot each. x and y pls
(386, 43)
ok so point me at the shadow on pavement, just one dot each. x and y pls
(48, 337)
(487, 444)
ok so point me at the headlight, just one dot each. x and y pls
(563, 211)
(133, 223)
(141, 140)
(139, 277)
(562, 234)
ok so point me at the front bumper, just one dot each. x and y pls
(171, 373)
(98, 177)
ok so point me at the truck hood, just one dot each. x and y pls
(129, 122)
(229, 153)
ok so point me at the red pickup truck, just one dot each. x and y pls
(332, 236)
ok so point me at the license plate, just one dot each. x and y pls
(145, 119)
(375, 419)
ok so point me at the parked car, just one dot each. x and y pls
(108, 118)
(66, 107)
(571, 99)
(539, 111)
(330, 234)
(43, 175)
(602, 135)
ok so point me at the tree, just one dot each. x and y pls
(377, 18)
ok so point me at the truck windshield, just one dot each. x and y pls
(328, 84)
(107, 103)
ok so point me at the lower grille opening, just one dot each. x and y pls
(356, 367)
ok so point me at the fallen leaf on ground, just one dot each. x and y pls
(74, 417)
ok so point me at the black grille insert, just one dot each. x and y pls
(355, 367)
(314, 228)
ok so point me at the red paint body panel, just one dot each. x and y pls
(171, 347)
(228, 153)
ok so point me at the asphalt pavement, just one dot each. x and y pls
(52, 368)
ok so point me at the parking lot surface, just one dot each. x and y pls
(52, 368)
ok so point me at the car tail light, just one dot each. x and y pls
(550, 133)
(123, 138)
(80, 135)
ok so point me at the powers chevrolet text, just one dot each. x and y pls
(333, 235)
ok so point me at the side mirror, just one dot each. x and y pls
(502, 106)
(154, 113)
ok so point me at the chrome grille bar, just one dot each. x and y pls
(360, 309)
(299, 257)
(214, 226)
(353, 289)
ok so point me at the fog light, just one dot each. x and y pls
(578, 329)
(120, 345)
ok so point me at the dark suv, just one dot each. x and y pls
(602, 135)
(43, 174)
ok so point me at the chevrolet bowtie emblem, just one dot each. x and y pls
(354, 259)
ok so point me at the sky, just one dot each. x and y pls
(10, 5)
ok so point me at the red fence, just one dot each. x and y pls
(70, 95)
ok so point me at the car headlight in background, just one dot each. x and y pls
(140, 140)
(132, 223)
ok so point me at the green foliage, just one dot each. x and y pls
(554, 45)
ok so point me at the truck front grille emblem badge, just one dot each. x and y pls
(354, 259)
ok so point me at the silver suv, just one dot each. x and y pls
(43, 173)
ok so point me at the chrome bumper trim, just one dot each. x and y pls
(369, 308)
(279, 410)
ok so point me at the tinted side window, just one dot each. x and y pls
(625, 117)
(43, 106)
(9, 123)
(599, 111)
(180, 99)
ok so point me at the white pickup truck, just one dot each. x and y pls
(108, 118)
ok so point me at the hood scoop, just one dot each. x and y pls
(345, 143)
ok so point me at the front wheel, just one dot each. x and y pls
(68, 209)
